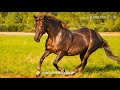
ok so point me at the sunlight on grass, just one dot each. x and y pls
(19, 57)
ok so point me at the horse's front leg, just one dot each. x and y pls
(46, 53)
(58, 58)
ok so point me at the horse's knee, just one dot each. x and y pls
(41, 61)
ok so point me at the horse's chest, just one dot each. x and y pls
(54, 45)
(51, 46)
(59, 43)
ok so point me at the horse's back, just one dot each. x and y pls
(83, 31)
(89, 34)
(80, 42)
(91, 37)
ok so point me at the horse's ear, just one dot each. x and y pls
(64, 25)
(35, 16)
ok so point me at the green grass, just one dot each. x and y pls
(19, 57)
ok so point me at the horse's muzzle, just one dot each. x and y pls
(36, 39)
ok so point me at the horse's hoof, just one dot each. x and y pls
(37, 73)
(62, 70)
(74, 72)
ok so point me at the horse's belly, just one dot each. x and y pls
(77, 48)
(75, 51)
(79, 44)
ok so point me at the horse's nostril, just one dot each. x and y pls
(36, 39)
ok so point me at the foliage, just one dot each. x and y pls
(11, 27)
(100, 21)
(3, 28)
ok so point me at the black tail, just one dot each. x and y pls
(109, 52)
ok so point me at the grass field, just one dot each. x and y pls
(19, 57)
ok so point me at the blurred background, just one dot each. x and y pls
(24, 21)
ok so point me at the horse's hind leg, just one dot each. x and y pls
(90, 50)
(58, 58)
(84, 61)
(83, 57)
(46, 53)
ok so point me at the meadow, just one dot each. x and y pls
(19, 58)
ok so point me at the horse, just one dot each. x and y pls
(64, 42)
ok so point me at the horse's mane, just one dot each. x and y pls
(64, 25)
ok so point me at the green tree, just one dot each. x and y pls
(91, 24)
(117, 25)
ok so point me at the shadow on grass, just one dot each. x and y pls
(108, 67)
(90, 69)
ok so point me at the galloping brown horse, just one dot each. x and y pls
(64, 42)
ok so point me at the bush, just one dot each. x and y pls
(3, 27)
(16, 28)
(11, 27)
(29, 28)
(97, 27)
(116, 28)
(103, 29)
(20, 27)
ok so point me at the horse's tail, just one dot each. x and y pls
(109, 52)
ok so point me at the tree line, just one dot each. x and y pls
(24, 21)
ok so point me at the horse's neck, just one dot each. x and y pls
(53, 32)
(53, 35)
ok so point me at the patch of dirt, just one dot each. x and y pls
(109, 33)
(16, 33)
(32, 34)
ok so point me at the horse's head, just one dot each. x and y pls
(40, 27)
